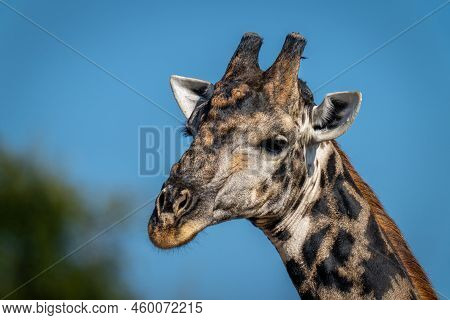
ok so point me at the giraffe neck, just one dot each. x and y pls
(331, 242)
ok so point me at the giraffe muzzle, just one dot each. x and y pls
(172, 203)
(170, 224)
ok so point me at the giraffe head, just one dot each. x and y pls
(254, 139)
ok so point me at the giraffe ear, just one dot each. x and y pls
(335, 115)
(190, 93)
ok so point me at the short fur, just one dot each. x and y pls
(393, 234)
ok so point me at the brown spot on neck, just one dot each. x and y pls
(415, 272)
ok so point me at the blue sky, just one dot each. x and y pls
(84, 123)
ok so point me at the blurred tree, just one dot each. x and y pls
(40, 216)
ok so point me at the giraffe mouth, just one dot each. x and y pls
(167, 231)
(167, 237)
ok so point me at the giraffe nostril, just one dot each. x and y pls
(183, 202)
(161, 201)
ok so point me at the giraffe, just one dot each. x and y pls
(262, 150)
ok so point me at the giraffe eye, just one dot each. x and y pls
(274, 145)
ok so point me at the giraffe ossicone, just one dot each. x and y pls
(262, 150)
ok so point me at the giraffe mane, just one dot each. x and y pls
(415, 272)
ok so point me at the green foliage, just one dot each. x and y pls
(42, 218)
